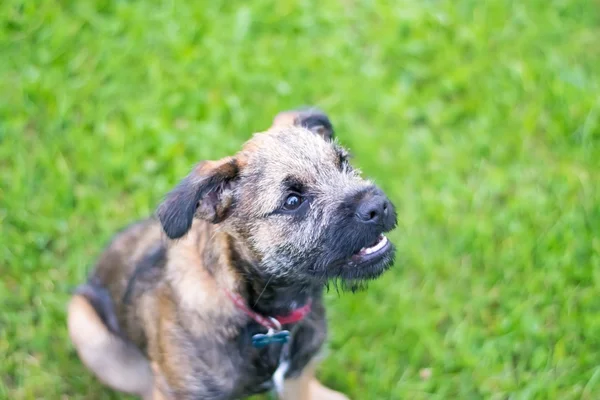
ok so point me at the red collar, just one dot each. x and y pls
(270, 322)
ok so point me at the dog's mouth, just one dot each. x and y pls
(374, 251)
(369, 261)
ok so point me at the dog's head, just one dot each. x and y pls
(291, 198)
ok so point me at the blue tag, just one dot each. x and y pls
(261, 340)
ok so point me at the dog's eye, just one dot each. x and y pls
(292, 202)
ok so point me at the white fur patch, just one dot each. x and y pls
(279, 376)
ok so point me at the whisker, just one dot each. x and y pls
(261, 293)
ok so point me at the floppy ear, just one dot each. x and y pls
(312, 119)
(205, 193)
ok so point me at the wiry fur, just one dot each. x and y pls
(156, 310)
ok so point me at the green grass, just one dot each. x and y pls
(481, 119)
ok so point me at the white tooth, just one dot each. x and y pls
(369, 250)
(383, 242)
(378, 246)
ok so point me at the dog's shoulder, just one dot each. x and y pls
(197, 274)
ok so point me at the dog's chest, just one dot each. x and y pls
(233, 368)
(257, 365)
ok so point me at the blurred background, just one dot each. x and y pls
(481, 120)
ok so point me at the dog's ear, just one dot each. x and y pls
(312, 119)
(205, 193)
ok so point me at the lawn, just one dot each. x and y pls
(481, 120)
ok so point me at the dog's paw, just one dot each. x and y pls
(320, 392)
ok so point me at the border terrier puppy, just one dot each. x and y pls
(220, 297)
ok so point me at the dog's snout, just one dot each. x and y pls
(372, 209)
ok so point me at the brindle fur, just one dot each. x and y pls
(154, 319)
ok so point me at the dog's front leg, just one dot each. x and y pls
(307, 387)
(308, 337)
(157, 393)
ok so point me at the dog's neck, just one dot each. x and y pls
(272, 297)
(266, 295)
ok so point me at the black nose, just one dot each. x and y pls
(372, 209)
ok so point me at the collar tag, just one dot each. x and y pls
(261, 340)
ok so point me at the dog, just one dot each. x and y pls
(219, 295)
